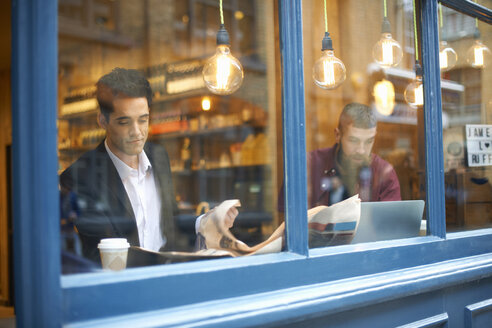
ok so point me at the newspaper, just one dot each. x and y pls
(328, 226)
(138, 256)
(334, 225)
(214, 233)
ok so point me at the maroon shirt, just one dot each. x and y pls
(379, 178)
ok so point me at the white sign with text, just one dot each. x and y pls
(479, 144)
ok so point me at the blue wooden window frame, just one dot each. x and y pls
(44, 298)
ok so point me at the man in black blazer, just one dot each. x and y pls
(124, 185)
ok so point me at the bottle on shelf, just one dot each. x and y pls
(186, 154)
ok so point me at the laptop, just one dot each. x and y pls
(389, 220)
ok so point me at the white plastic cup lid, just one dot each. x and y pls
(108, 243)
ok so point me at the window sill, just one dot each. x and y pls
(288, 305)
(185, 284)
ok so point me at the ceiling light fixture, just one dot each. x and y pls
(223, 73)
(328, 71)
(387, 52)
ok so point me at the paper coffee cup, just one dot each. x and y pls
(114, 252)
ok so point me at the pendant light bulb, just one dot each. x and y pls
(223, 73)
(384, 97)
(478, 56)
(206, 104)
(387, 52)
(414, 93)
(328, 71)
(447, 57)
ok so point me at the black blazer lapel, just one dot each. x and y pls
(159, 160)
(121, 215)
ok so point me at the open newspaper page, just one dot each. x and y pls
(334, 225)
(328, 226)
(214, 234)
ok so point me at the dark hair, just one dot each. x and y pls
(121, 82)
(361, 116)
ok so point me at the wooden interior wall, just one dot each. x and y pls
(5, 140)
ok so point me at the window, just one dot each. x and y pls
(227, 278)
(376, 151)
(466, 122)
(458, 25)
(219, 147)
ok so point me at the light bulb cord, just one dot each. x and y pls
(415, 32)
(326, 19)
(476, 19)
(326, 43)
(477, 31)
(386, 26)
(221, 13)
(440, 16)
(222, 35)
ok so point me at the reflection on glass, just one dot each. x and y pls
(467, 116)
(362, 138)
(414, 93)
(478, 56)
(384, 97)
(447, 57)
(201, 149)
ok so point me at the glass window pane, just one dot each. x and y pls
(376, 151)
(466, 62)
(200, 148)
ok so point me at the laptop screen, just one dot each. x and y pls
(389, 220)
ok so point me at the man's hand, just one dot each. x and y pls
(224, 214)
(229, 217)
(215, 224)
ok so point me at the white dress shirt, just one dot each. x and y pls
(143, 191)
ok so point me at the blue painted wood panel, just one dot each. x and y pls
(434, 163)
(479, 314)
(471, 8)
(224, 279)
(387, 299)
(36, 223)
(437, 321)
(294, 131)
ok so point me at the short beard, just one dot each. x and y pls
(347, 162)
